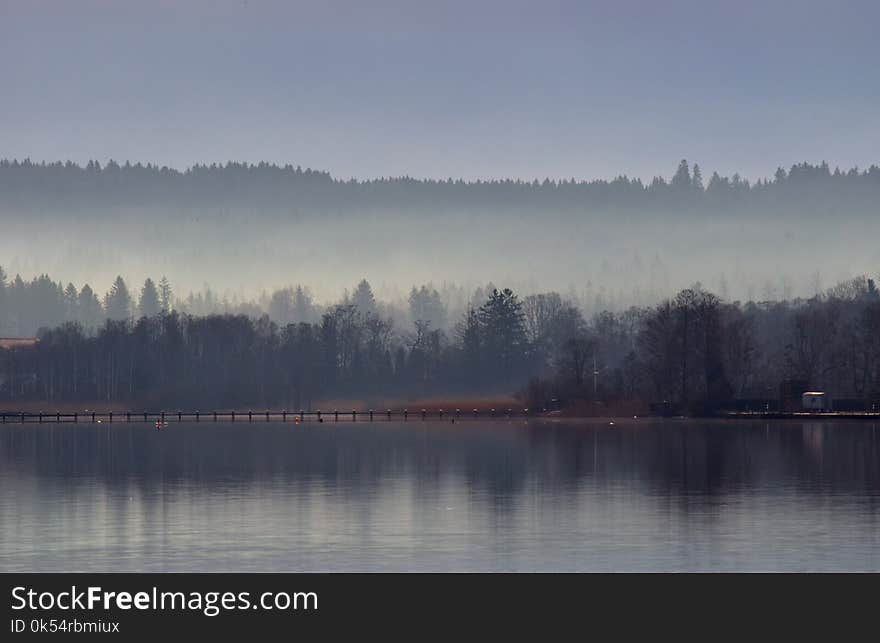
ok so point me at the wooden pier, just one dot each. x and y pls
(803, 415)
(251, 416)
(355, 415)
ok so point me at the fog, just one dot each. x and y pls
(632, 262)
(602, 244)
(501, 94)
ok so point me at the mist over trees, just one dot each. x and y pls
(118, 302)
(28, 306)
(692, 352)
(235, 359)
(598, 307)
(605, 244)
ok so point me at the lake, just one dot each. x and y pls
(519, 495)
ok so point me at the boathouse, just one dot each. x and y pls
(815, 401)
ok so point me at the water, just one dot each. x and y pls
(641, 495)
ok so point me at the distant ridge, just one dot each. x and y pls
(803, 188)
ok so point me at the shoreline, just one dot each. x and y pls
(114, 415)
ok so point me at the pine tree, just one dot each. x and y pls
(425, 305)
(117, 302)
(469, 333)
(89, 311)
(503, 331)
(779, 176)
(872, 293)
(303, 307)
(280, 306)
(149, 302)
(362, 298)
(697, 180)
(682, 179)
(165, 295)
(71, 298)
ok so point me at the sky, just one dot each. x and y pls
(466, 89)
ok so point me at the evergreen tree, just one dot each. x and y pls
(165, 295)
(117, 302)
(71, 298)
(303, 307)
(89, 311)
(697, 180)
(681, 182)
(779, 176)
(425, 305)
(362, 298)
(281, 305)
(468, 332)
(149, 305)
(503, 332)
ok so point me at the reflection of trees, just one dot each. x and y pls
(501, 460)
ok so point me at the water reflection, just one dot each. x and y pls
(470, 496)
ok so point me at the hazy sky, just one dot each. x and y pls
(472, 89)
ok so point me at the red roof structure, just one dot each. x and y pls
(18, 342)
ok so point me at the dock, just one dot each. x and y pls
(251, 416)
(802, 415)
(368, 415)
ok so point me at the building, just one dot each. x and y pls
(17, 342)
(815, 401)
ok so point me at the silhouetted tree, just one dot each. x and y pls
(681, 180)
(503, 333)
(425, 305)
(281, 306)
(89, 310)
(697, 179)
(691, 350)
(303, 310)
(165, 295)
(362, 298)
(149, 305)
(117, 302)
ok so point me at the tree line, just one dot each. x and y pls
(114, 189)
(697, 353)
(692, 352)
(229, 360)
(28, 306)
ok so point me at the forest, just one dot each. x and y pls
(589, 314)
(64, 189)
(694, 352)
(232, 235)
